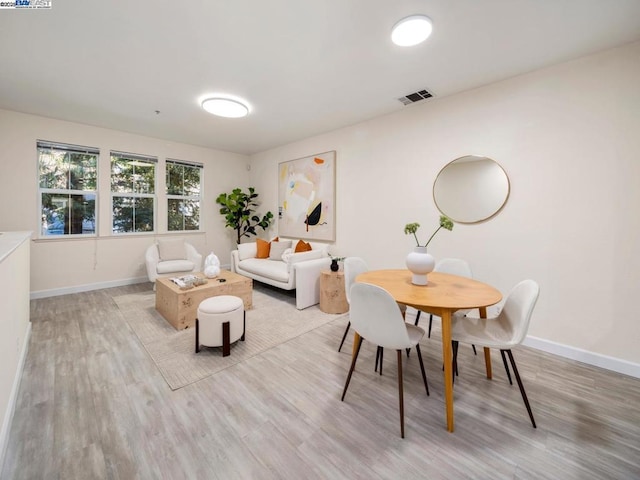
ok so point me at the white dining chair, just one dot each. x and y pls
(353, 266)
(454, 266)
(503, 332)
(377, 318)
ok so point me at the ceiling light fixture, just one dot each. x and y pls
(411, 30)
(225, 107)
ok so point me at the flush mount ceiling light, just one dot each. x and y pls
(225, 107)
(411, 30)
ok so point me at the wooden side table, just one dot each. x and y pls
(332, 295)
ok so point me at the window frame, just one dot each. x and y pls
(67, 148)
(115, 155)
(183, 197)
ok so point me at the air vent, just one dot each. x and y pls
(415, 97)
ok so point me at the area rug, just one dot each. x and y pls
(273, 320)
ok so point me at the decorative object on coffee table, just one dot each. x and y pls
(211, 266)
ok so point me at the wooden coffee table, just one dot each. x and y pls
(180, 307)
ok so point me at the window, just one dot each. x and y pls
(133, 189)
(68, 178)
(183, 195)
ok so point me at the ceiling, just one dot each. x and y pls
(306, 67)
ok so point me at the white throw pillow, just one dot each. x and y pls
(287, 255)
(172, 249)
(278, 248)
(247, 250)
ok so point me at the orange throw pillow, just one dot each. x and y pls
(263, 247)
(302, 246)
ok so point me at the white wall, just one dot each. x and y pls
(14, 322)
(567, 136)
(59, 266)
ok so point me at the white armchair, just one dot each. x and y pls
(171, 257)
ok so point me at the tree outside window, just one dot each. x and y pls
(183, 195)
(133, 189)
(68, 189)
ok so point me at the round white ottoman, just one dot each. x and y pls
(220, 322)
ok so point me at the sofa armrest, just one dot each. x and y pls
(303, 257)
(308, 281)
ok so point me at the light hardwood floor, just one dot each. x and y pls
(92, 405)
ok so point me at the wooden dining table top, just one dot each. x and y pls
(443, 290)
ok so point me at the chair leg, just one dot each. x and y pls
(474, 349)
(454, 345)
(424, 375)
(506, 367)
(400, 393)
(197, 336)
(524, 395)
(226, 339)
(416, 323)
(353, 366)
(430, 322)
(244, 325)
(346, 330)
(379, 355)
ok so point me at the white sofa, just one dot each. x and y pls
(171, 257)
(299, 271)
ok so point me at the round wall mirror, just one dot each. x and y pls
(471, 189)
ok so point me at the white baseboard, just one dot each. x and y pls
(54, 292)
(11, 406)
(584, 356)
(595, 359)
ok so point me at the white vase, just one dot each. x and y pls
(419, 263)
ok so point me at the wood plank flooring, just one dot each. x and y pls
(92, 405)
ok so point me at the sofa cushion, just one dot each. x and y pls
(175, 266)
(172, 249)
(263, 248)
(302, 246)
(247, 250)
(275, 270)
(278, 248)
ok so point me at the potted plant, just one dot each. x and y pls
(419, 262)
(239, 210)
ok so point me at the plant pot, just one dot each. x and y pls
(419, 263)
(334, 266)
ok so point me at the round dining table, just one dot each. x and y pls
(442, 296)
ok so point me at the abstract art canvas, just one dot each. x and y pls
(306, 197)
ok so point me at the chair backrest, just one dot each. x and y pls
(375, 315)
(455, 266)
(353, 266)
(518, 307)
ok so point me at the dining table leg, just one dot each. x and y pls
(487, 350)
(447, 358)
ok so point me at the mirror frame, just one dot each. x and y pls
(484, 218)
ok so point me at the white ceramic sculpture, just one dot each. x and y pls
(211, 266)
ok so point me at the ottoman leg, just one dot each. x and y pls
(197, 336)
(244, 324)
(226, 337)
